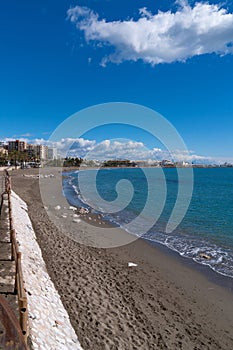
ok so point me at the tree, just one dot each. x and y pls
(72, 162)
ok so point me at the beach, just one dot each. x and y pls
(161, 303)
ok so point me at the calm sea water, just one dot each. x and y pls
(207, 226)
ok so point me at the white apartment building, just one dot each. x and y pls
(38, 151)
(52, 153)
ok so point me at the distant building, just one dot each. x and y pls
(3, 148)
(167, 163)
(17, 145)
(30, 150)
(148, 163)
(183, 164)
(52, 153)
(37, 151)
(42, 151)
(3, 151)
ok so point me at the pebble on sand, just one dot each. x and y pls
(76, 220)
(72, 208)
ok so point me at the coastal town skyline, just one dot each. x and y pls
(50, 72)
(20, 151)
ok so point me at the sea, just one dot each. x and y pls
(205, 234)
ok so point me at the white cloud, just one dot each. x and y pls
(133, 150)
(111, 149)
(164, 37)
(7, 139)
(27, 134)
(69, 146)
(115, 149)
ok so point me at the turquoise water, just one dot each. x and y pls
(207, 226)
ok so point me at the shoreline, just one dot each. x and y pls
(160, 303)
(204, 269)
(201, 266)
(99, 219)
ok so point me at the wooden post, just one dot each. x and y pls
(22, 301)
(17, 263)
(9, 179)
(23, 317)
(1, 203)
(12, 244)
(11, 222)
(16, 255)
(10, 213)
(12, 333)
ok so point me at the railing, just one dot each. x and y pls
(16, 256)
(11, 335)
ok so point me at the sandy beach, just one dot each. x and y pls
(162, 303)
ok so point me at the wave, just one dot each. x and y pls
(218, 258)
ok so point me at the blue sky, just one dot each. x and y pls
(55, 63)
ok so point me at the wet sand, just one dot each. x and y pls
(162, 303)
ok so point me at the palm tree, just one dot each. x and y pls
(14, 157)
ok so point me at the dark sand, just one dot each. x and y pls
(160, 304)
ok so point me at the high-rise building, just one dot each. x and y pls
(30, 150)
(17, 145)
(37, 151)
(41, 151)
(52, 153)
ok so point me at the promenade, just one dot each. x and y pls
(7, 266)
(31, 310)
(10, 331)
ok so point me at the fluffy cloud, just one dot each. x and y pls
(164, 37)
(66, 146)
(111, 149)
(127, 149)
(69, 147)
(75, 147)
(114, 149)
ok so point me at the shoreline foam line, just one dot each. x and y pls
(49, 323)
(186, 245)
